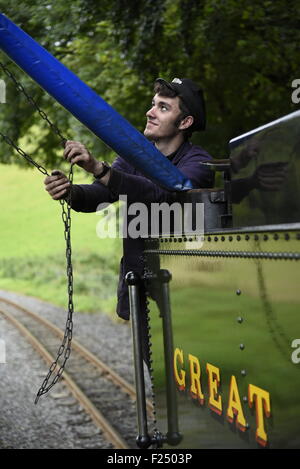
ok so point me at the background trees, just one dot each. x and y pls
(243, 53)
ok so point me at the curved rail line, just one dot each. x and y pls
(110, 433)
(96, 416)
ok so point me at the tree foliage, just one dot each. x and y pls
(243, 53)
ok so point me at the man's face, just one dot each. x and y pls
(161, 118)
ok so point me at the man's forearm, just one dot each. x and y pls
(87, 197)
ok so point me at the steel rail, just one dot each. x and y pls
(100, 365)
(110, 433)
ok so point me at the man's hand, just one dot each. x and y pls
(76, 153)
(57, 185)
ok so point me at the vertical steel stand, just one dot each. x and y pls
(173, 435)
(143, 439)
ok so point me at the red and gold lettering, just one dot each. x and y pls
(234, 406)
(262, 407)
(257, 397)
(215, 401)
(195, 372)
(179, 375)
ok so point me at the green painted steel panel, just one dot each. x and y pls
(235, 302)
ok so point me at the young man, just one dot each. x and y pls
(177, 111)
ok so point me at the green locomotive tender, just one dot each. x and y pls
(225, 326)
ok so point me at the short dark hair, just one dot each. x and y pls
(162, 90)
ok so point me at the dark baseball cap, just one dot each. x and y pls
(192, 96)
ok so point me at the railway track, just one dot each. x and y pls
(106, 397)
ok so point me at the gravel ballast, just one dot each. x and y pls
(53, 422)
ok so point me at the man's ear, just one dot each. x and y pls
(186, 123)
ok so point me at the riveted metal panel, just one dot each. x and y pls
(235, 305)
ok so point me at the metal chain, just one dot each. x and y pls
(65, 347)
(147, 276)
(32, 101)
(154, 420)
(23, 154)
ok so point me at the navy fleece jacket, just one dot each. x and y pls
(126, 180)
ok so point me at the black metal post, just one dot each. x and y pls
(173, 435)
(143, 439)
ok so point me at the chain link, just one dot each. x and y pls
(147, 275)
(32, 101)
(64, 350)
(23, 154)
(151, 362)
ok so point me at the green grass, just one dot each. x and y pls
(32, 246)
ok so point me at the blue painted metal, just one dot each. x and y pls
(88, 107)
